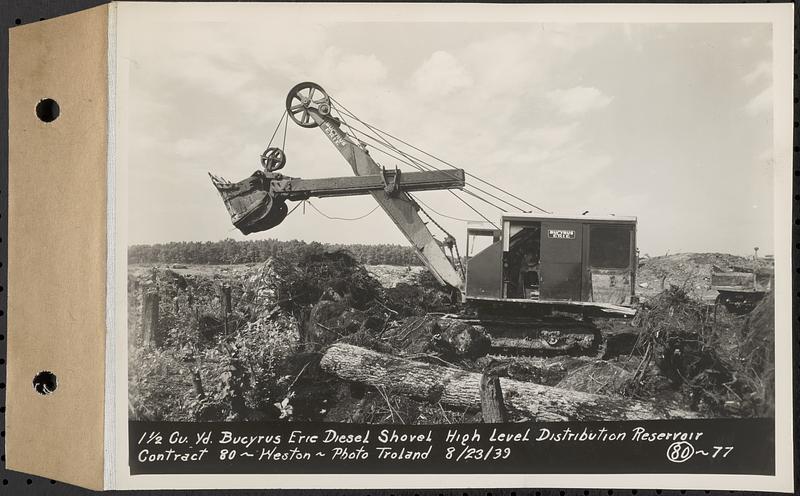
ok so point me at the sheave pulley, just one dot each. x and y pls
(302, 98)
(273, 159)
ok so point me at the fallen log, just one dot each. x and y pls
(460, 389)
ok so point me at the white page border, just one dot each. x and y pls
(131, 15)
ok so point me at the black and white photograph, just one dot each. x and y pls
(423, 221)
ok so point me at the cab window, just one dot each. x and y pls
(609, 247)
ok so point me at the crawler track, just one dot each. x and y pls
(546, 336)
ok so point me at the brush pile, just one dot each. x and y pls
(695, 354)
(246, 342)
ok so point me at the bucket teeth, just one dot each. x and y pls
(218, 180)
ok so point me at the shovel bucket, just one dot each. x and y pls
(252, 207)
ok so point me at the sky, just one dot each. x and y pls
(671, 123)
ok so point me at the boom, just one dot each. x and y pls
(258, 203)
(401, 208)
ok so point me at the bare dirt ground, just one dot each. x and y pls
(689, 271)
(391, 275)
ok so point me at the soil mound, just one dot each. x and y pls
(691, 272)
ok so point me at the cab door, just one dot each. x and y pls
(561, 260)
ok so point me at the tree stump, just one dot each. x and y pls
(224, 291)
(493, 409)
(149, 333)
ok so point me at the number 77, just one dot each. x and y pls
(717, 450)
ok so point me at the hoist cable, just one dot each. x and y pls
(343, 121)
(340, 218)
(439, 213)
(378, 148)
(433, 167)
(276, 129)
(422, 168)
(390, 145)
(413, 198)
(293, 209)
(440, 160)
(376, 142)
(285, 131)
(473, 208)
(429, 216)
(417, 166)
(460, 262)
(484, 200)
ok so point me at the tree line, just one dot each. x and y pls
(230, 251)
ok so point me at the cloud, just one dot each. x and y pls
(579, 99)
(190, 148)
(550, 136)
(365, 67)
(538, 145)
(441, 75)
(517, 61)
(339, 68)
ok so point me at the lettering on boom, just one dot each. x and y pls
(334, 134)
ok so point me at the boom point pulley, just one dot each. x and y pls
(304, 98)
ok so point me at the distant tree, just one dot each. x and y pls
(230, 251)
